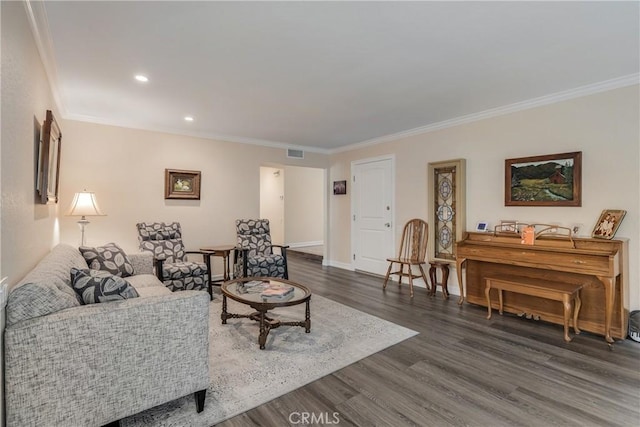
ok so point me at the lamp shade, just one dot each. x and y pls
(84, 204)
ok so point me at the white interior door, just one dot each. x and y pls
(372, 214)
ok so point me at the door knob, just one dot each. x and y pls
(388, 224)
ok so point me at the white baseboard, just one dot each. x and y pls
(337, 264)
(304, 244)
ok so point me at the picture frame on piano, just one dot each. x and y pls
(608, 223)
(508, 226)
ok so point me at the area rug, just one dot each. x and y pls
(244, 377)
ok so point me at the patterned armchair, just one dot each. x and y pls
(254, 254)
(173, 268)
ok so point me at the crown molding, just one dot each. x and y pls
(37, 17)
(619, 82)
(195, 134)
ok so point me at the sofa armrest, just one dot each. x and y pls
(94, 364)
(142, 262)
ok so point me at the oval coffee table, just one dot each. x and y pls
(238, 290)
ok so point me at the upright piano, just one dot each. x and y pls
(600, 265)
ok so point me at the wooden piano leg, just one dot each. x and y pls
(566, 306)
(459, 263)
(487, 289)
(609, 297)
(576, 311)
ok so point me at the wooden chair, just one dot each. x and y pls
(413, 251)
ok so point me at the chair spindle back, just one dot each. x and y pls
(413, 245)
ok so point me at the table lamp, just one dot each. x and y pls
(84, 204)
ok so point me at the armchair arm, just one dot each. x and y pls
(283, 248)
(206, 257)
(127, 355)
(283, 252)
(158, 266)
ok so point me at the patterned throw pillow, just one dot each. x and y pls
(96, 286)
(109, 257)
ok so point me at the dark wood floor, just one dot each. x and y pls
(462, 369)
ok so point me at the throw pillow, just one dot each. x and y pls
(109, 257)
(96, 286)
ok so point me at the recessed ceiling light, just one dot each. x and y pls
(141, 78)
(188, 119)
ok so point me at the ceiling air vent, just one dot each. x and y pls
(295, 154)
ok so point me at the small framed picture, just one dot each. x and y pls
(181, 184)
(340, 187)
(482, 226)
(508, 226)
(608, 224)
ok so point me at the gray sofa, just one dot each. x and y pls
(89, 365)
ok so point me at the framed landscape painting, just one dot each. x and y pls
(181, 184)
(550, 180)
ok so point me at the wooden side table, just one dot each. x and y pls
(444, 269)
(224, 252)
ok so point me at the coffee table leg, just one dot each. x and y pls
(307, 318)
(262, 338)
(223, 315)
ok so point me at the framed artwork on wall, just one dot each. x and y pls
(340, 187)
(181, 184)
(447, 208)
(48, 167)
(550, 180)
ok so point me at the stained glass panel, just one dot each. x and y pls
(444, 211)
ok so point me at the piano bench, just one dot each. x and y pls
(567, 293)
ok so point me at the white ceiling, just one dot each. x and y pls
(325, 75)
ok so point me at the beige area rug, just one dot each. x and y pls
(243, 376)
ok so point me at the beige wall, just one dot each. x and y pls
(293, 201)
(604, 126)
(304, 205)
(29, 230)
(125, 167)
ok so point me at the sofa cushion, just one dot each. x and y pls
(95, 286)
(109, 257)
(47, 288)
(140, 281)
(153, 291)
(142, 262)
